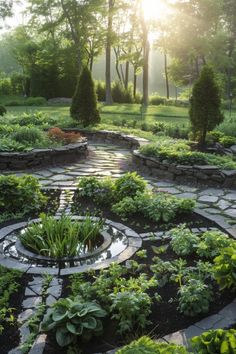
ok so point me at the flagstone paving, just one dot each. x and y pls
(112, 161)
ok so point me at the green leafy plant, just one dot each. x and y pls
(126, 207)
(9, 284)
(158, 207)
(129, 185)
(71, 319)
(178, 151)
(224, 269)
(215, 341)
(20, 194)
(211, 243)
(27, 135)
(130, 309)
(194, 298)
(62, 237)
(183, 241)
(146, 345)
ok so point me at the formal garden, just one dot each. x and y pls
(118, 206)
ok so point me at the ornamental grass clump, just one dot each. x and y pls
(64, 237)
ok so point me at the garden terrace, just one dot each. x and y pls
(114, 161)
(37, 158)
(202, 175)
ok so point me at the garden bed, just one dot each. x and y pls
(10, 337)
(165, 316)
(43, 157)
(179, 160)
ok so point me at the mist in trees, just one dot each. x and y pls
(61, 36)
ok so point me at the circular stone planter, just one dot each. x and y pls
(119, 244)
(106, 242)
(206, 175)
(37, 158)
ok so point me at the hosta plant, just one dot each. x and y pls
(146, 345)
(194, 298)
(212, 242)
(215, 341)
(70, 319)
(224, 269)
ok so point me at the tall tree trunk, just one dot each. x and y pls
(122, 74)
(126, 74)
(108, 53)
(166, 76)
(135, 84)
(91, 63)
(146, 51)
(117, 65)
(146, 73)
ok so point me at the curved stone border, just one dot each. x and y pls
(112, 137)
(43, 157)
(199, 175)
(44, 259)
(134, 243)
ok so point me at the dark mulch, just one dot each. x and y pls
(10, 337)
(137, 222)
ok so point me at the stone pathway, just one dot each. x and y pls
(108, 160)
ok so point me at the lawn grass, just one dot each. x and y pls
(128, 113)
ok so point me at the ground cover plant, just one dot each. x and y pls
(180, 152)
(128, 196)
(29, 131)
(63, 237)
(12, 288)
(22, 196)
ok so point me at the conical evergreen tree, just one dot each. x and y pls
(84, 102)
(205, 105)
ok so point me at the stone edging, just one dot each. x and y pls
(42, 157)
(134, 242)
(198, 175)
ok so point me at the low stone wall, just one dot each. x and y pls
(199, 175)
(42, 157)
(109, 137)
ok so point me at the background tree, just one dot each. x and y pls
(84, 102)
(205, 105)
(5, 9)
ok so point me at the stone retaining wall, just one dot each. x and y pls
(199, 175)
(42, 157)
(109, 137)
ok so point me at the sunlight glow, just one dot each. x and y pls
(155, 9)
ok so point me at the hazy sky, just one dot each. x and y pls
(17, 18)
